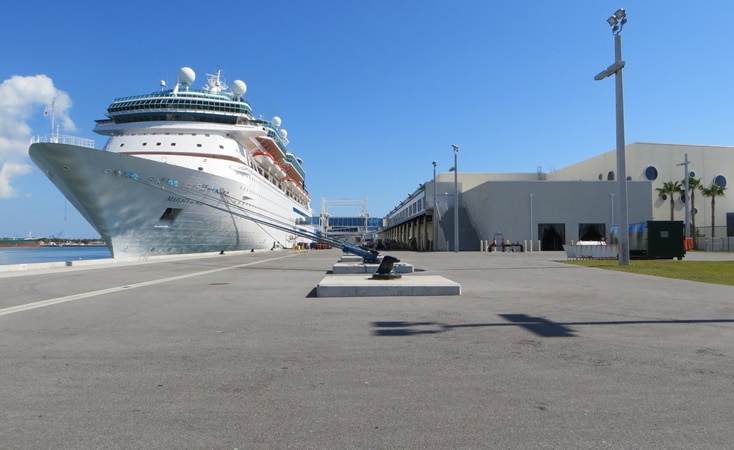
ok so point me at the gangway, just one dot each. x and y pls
(219, 199)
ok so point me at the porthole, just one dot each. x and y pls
(664, 197)
(610, 176)
(692, 174)
(601, 177)
(651, 173)
(720, 180)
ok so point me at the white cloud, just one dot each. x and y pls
(7, 172)
(23, 98)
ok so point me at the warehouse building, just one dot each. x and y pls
(546, 210)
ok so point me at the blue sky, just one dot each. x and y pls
(370, 92)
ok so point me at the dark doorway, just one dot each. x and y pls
(552, 236)
(592, 231)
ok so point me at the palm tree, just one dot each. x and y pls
(714, 191)
(669, 188)
(694, 184)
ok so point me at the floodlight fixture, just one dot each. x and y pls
(617, 20)
(609, 71)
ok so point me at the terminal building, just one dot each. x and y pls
(544, 211)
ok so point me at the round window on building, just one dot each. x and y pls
(610, 175)
(692, 174)
(720, 180)
(601, 177)
(651, 173)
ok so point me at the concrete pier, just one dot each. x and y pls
(237, 351)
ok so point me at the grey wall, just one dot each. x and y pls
(504, 206)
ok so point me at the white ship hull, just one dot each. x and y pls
(142, 207)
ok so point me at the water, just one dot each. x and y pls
(31, 255)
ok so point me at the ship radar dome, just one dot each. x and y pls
(276, 121)
(186, 76)
(239, 88)
(284, 132)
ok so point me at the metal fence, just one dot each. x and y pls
(720, 241)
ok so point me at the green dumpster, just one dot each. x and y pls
(665, 239)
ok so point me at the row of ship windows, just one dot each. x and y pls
(179, 103)
(191, 117)
(173, 144)
(168, 134)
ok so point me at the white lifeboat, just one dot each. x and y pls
(290, 182)
(265, 159)
(278, 170)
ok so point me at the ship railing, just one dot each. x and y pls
(63, 139)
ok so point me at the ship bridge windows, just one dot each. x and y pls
(168, 217)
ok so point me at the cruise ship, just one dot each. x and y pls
(184, 170)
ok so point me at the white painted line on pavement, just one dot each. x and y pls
(70, 298)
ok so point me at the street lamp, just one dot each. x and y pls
(433, 242)
(686, 176)
(617, 21)
(456, 197)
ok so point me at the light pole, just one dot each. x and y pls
(686, 175)
(611, 196)
(456, 197)
(617, 21)
(443, 233)
(433, 219)
(531, 221)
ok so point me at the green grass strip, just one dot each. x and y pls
(714, 272)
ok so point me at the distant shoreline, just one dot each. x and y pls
(6, 242)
